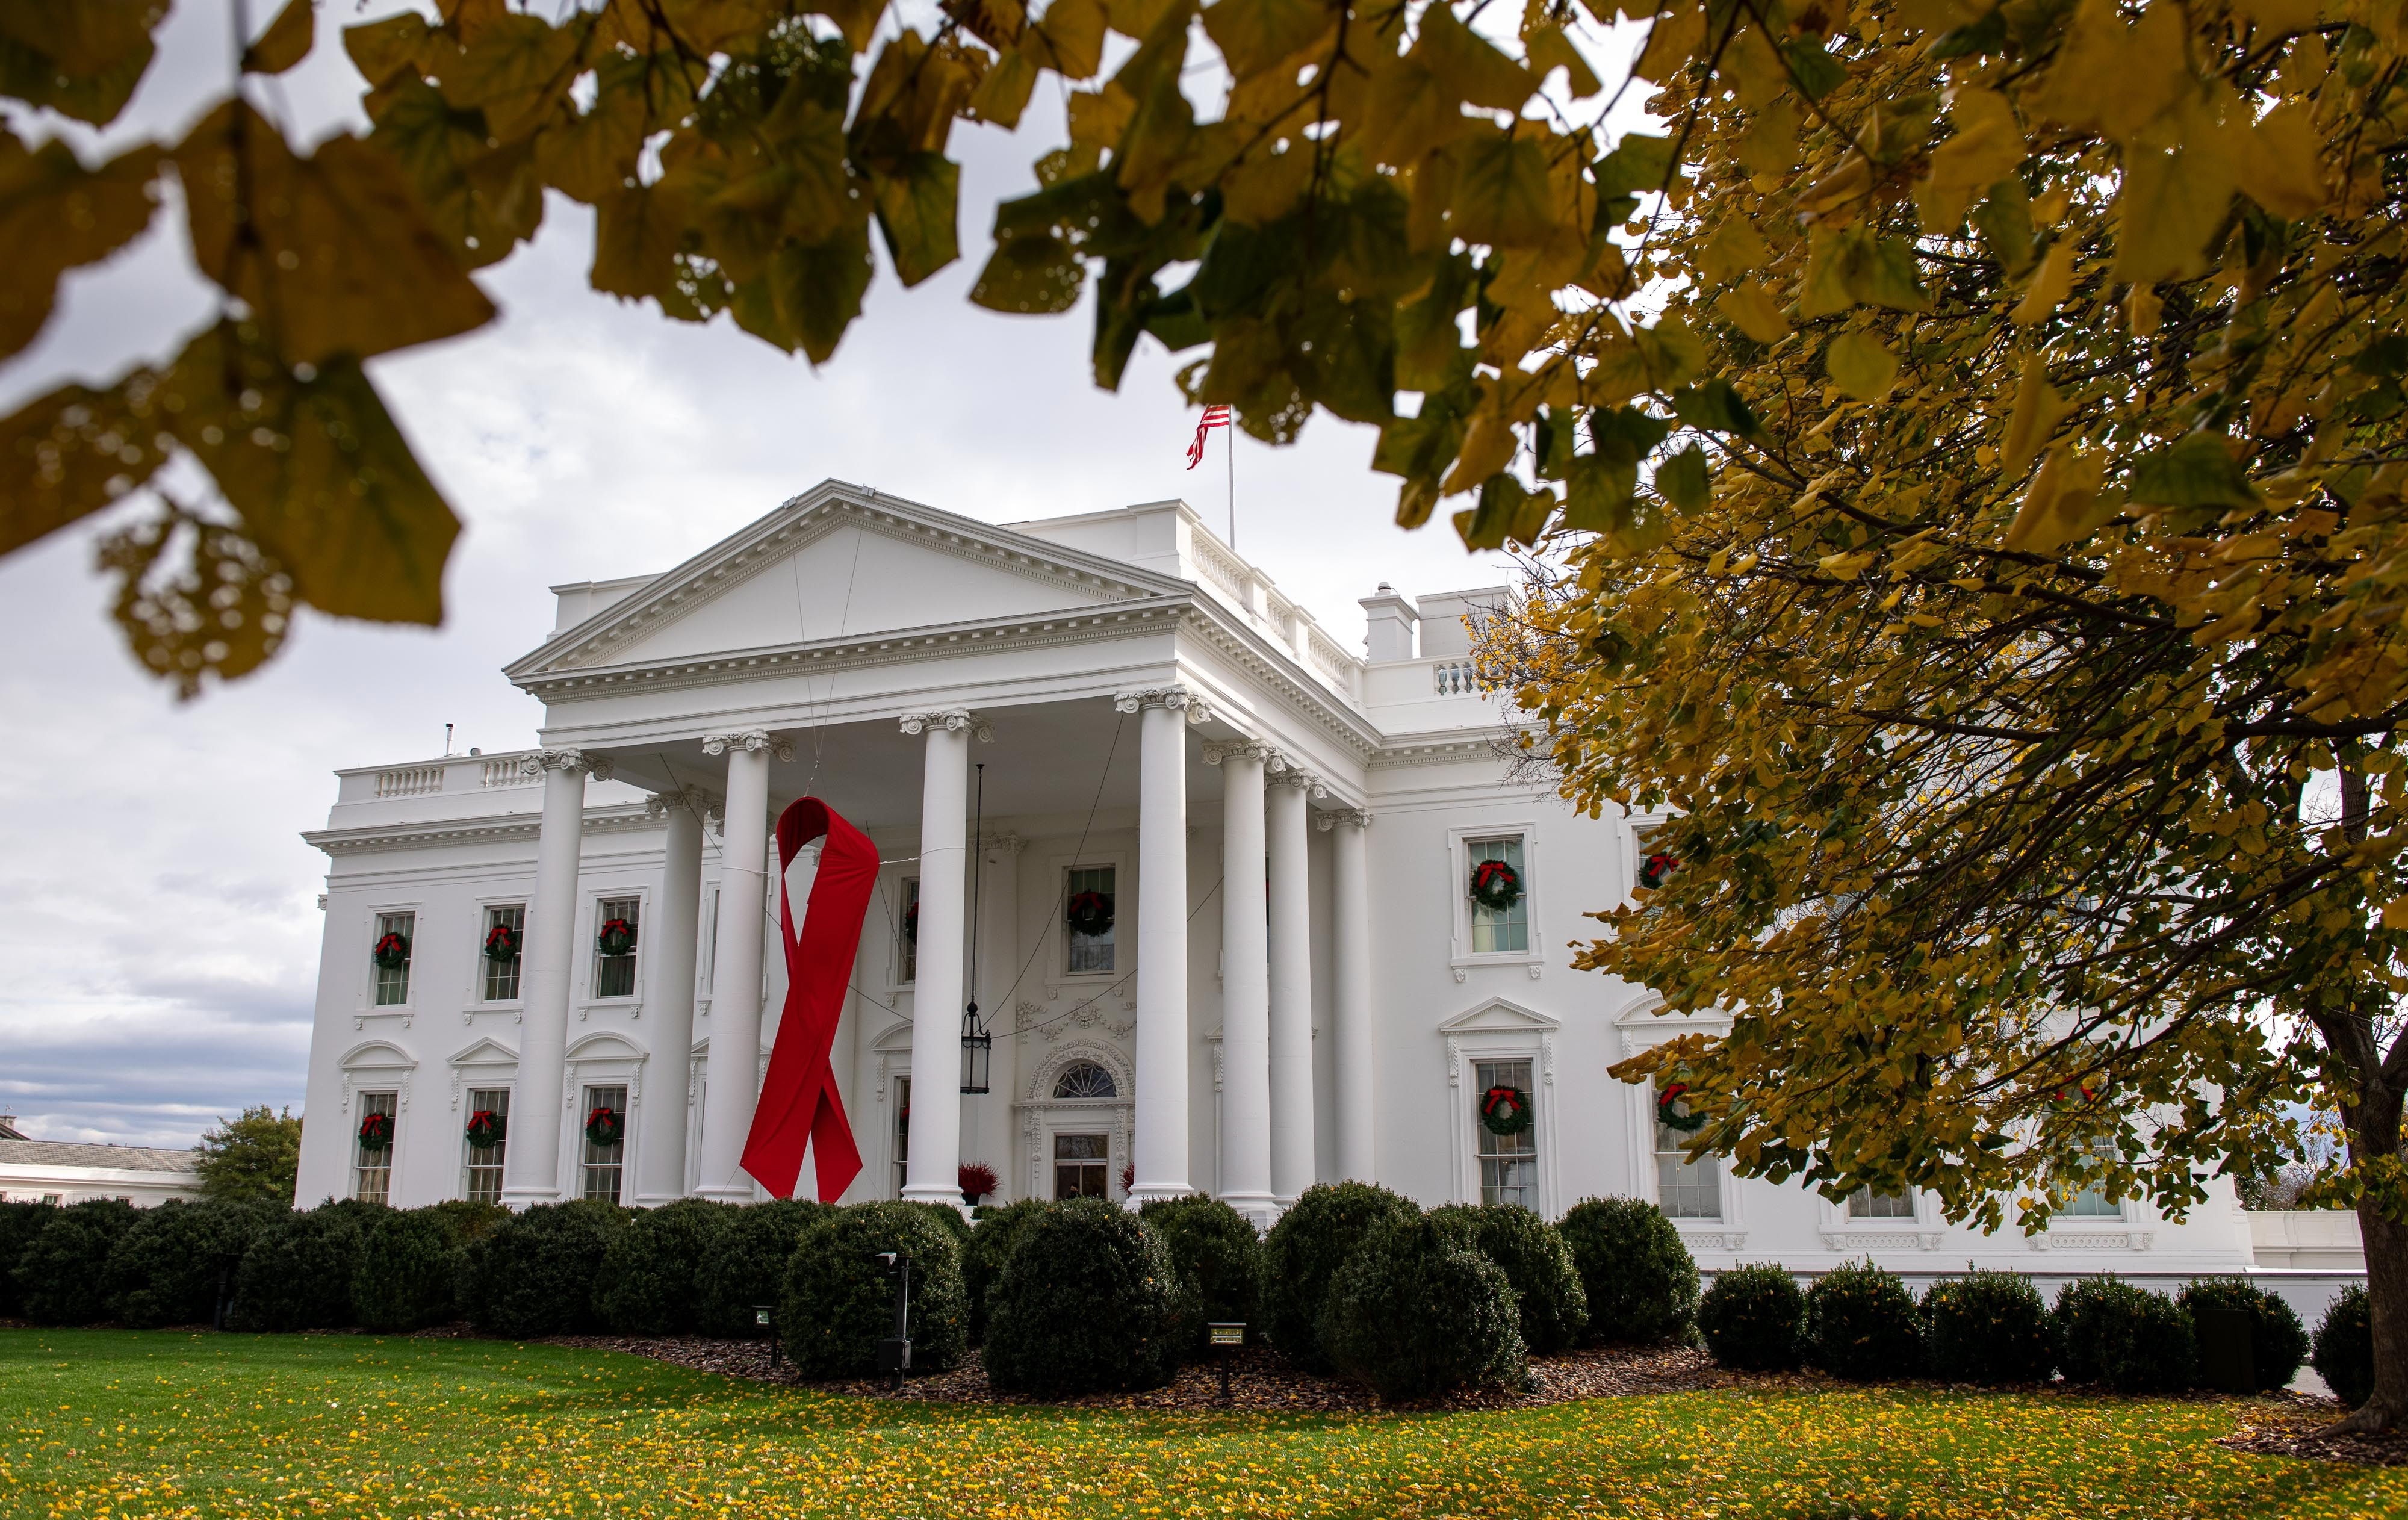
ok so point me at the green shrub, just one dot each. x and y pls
(652, 1269)
(1753, 1319)
(2128, 1337)
(1862, 1324)
(536, 1273)
(173, 1263)
(409, 1272)
(1640, 1281)
(2278, 1342)
(467, 1220)
(997, 1231)
(839, 1299)
(2344, 1346)
(1304, 1251)
(1089, 1300)
(956, 1222)
(296, 1274)
(746, 1267)
(61, 1273)
(1989, 1328)
(18, 1224)
(1418, 1311)
(1219, 1256)
(1534, 1258)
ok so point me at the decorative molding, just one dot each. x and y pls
(1356, 817)
(707, 806)
(1846, 1240)
(2054, 1238)
(1711, 1237)
(1244, 749)
(1286, 774)
(1176, 698)
(1433, 753)
(535, 763)
(953, 720)
(1006, 843)
(752, 740)
(345, 841)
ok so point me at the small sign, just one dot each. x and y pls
(760, 1316)
(1227, 1333)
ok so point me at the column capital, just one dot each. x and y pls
(704, 805)
(1005, 843)
(1303, 780)
(1354, 816)
(1175, 698)
(574, 761)
(952, 720)
(750, 740)
(1244, 749)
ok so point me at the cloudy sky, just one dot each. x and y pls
(158, 923)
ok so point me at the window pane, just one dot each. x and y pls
(484, 1165)
(502, 976)
(615, 976)
(1493, 931)
(1089, 953)
(393, 981)
(1864, 1203)
(604, 1164)
(1079, 1164)
(902, 1132)
(372, 1182)
(1509, 1164)
(908, 938)
(1684, 1189)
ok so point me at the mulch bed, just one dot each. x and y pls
(2300, 1425)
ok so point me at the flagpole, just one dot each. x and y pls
(1231, 431)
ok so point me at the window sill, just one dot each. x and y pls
(633, 1006)
(1532, 961)
(404, 1012)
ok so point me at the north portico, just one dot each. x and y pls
(1203, 868)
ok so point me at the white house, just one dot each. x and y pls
(1111, 704)
(74, 1171)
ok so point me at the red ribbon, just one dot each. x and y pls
(799, 1103)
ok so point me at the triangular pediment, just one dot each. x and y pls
(485, 1051)
(1499, 1013)
(839, 563)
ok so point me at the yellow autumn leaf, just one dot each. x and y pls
(1861, 364)
(2062, 505)
(2275, 162)
(1753, 311)
(2172, 202)
(2049, 286)
(2038, 408)
(2115, 79)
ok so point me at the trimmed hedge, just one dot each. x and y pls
(1862, 1324)
(18, 1224)
(61, 1273)
(1088, 1301)
(409, 1272)
(2128, 1337)
(748, 1266)
(1305, 1249)
(1418, 1310)
(652, 1269)
(1754, 1318)
(1218, 1254)
(173, 1263)
(1640, 1281)
(997, 1231)
(536, 1273)
(838, 1301)
(297, 1273)
(1535, 1260)
(1989, 1328)
(956, 1222)
(2343, 1355)
(2278, 1342)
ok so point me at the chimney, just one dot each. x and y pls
(1391, 618)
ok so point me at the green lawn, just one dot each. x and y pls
(114, 1423)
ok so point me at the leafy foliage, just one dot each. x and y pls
(650, 1270)
(297, 1273)
(1090, 1300)
(1639, 1278)
(1304, 1251)
(60, 1273)
(18, 1224)
(2344, 1346)
(536, 1273)
(1754, 1318)
(1863, 1323)
(1553, 1304)
(2278, 1342)
(839, 1299)
(174, 1262)
(409, 1272)
(746, 1267)
(255, 1156)
(2128, 1337)
(1216, 1250)
(1989, 1328)
(1418, 1310)
(993, 1239)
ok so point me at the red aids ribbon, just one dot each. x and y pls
(799, 1103)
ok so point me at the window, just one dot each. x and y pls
(2092, 1202)
(1079, 1162)
(372, 1167)
(1509, 1164)
(502, 971)
(1497, 930)
(393, 972)
(1085, 1079)
(907, 935)
(1685, 1189)
(604, 1163)
(1088, 899)
(615, 976)
(1864, 1203)
(902, 1133)
(485, 1165)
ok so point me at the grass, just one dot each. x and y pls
(102, 1423)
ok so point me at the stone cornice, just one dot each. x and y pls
(1431, 750)
(524, 825)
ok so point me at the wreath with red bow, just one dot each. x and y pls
(1496, 885)
(1671, 1112)
(375, 1131)
(1505, 1110)
(1657, 869)
(617, 936)
(1089, 913)
(501, 943)
(604, 1125)
(486, 1130)
(391, 953)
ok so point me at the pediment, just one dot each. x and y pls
(485, 1051)
(841, 563)
(604, 1045)
(894, 1037)
(1500, 1013)
(377, 1052)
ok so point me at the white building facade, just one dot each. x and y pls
(1204, 871)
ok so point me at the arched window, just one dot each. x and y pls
(1084, 1079)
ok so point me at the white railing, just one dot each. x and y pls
(1456, 678)
(504, 772)
(410, 781)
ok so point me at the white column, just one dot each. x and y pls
(932, 1175)
(1291, 987)
(1245, 988)
(732, 1078)
(660, 1130)
(531, 1164)
(1350, 944)
(1159, 1147)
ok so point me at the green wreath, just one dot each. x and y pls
(502, 943)
(376, 1132)
(1496, 885)
(604, 1125)
(390, 953)
(1668, 1113)
(486, 1130)
(1505, 1110)
(616, 938)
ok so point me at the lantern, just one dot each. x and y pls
(978, 1051)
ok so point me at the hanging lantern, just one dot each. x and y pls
(978, 1051)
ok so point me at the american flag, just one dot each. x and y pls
(1213, 417)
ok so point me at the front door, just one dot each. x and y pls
(1079, 1162)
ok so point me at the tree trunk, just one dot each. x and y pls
(2386, 1292)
